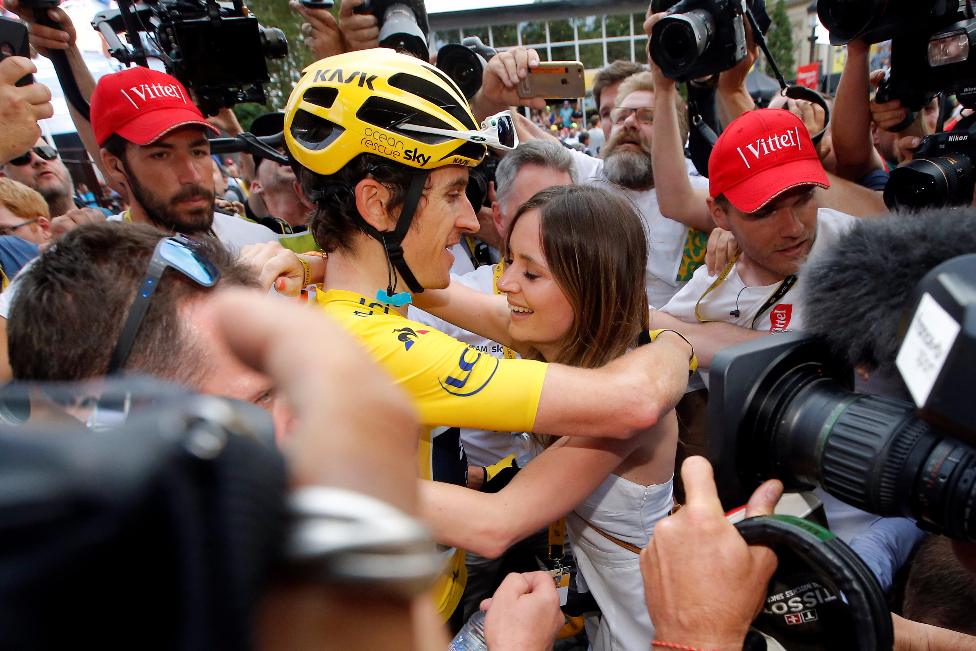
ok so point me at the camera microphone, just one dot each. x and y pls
(735, 313)
(857, 293)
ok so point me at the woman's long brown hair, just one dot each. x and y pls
(595, 247)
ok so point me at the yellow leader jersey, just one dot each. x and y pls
(452, 385)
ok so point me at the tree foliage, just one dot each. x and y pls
(780, 40)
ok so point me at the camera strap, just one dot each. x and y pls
(793, 92)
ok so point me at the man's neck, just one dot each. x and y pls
(60, 205)
(362, 269)
(287, 207)
(754, 275)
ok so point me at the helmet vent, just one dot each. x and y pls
(314, 132)
(468, 150)
(433, 94)
(321, 96)
(389, 115)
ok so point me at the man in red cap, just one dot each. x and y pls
(763, 176)
(154, 143)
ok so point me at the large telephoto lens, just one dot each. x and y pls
(796, 419)
(399, 30)
(679, 39)
(931, 182)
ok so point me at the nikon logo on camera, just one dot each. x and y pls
(330, 75)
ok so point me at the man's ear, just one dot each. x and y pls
(719, 216)
(255, 187)
(114, 169)
(301, 196)
(44, 224)
(496, 219)
(372, 199)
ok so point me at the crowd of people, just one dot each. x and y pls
(528, 377)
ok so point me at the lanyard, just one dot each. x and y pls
(496, 276)
(776, 296)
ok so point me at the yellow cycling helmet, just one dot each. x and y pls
(355, 103)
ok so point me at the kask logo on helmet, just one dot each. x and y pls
(338, 76)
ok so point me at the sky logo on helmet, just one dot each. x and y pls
(416, 156)
(336, 75)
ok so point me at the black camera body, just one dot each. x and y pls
(784, 407)
(698, 38)
(218, 50)
(942, 172)
(930, 41)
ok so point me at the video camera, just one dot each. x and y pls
(699, 38)
(784, 407)
(218, 50)
(931, 42)
(941, 173)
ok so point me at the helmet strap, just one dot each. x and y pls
(393, 246)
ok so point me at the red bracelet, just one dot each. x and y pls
(680, 647)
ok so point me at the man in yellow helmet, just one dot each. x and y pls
(381, 144)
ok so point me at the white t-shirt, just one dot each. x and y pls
(483, 447)
(732, 294)
(666, 238)
(233, 232)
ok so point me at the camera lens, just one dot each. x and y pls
(273, 42)
(679, 39)
(805, 427)
(931, 182)
(399, 30)
(845, 19)
(463, 66)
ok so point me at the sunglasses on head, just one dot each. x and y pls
(497, 131)
(43, 152)
(180, 253)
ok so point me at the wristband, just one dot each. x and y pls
(654, 334)
(307, 272)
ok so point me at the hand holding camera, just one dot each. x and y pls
(43, 37)
(20, 107)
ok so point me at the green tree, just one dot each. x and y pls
(780, 40)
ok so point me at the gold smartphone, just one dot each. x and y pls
(554, 80)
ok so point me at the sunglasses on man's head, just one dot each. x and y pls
(43, 152)
(177, 252)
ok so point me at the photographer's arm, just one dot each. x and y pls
(677, 199)
(851, 135)
(549, 487)
(732, 98)
(851, 198)
(707, 338)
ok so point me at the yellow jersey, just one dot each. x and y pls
(453, 386)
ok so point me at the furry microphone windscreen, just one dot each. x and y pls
(857, 293)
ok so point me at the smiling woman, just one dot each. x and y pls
(573, 285)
